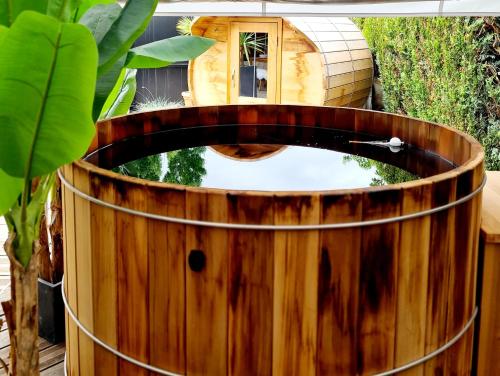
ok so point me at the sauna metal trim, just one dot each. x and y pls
(244, 226)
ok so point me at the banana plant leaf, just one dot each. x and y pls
(122, 96)
(10, 9)
(10, 190)
(85, 5)
(105, 85)
(100, 18)
(153, 55)
(47, 84)
(63, 10)
(131, 23)
(3, 33)
(167, 51)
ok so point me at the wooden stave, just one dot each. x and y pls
(488, 325)
(260, 201)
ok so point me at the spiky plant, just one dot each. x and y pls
(184, 25)
(250, 42)
(159, 103)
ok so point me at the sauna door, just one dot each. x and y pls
(253, 62)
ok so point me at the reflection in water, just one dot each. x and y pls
(385, 173)
(253, 157)
(148, 168)
(248, 152)
(293, 168)
(186, 167)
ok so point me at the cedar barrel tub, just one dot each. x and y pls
(199, 300)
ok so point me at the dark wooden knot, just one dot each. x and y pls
(196, 260)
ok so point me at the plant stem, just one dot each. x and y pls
(21, 312)
(25, 199)
(44, 255)
(56, 233)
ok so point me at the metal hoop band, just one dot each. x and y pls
(243, 226)
(436, 352)
(105, 345)
(168, 373)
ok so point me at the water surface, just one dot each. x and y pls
(266, 158)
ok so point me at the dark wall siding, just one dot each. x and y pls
(167, 82)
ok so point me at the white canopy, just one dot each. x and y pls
(350, 8)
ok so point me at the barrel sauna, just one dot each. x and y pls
(308, 60)
(201, 300)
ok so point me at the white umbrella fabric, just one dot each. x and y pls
(349, 8)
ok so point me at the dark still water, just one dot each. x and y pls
(267, 158)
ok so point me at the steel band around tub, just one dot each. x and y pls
(105, 345)
(148, 367)
(244, 226)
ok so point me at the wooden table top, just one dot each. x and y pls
(490, 224)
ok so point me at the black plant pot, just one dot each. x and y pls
(248, 85)
(50, 312)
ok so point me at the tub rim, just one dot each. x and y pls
(476, 158)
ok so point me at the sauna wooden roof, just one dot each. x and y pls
(345, 54)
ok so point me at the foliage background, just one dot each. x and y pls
(186, 167)
(385, 173)
(445, 70)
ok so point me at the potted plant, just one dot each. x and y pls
(56, 79)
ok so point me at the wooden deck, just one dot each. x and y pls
(51, 356)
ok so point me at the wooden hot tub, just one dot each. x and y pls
(205, 298)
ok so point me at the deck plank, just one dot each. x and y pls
(51, 358)
(55, 370)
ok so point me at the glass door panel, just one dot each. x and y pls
(253, 63)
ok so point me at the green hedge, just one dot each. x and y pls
(442, 69)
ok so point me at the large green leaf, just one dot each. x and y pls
(164, 52)
(3, 33)
(10, 9)
(10, 189)
(63, 10)
(99, 19)
(85, 5)
(122, 96)
(132, 22)
(105, 84)
(47, 82)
